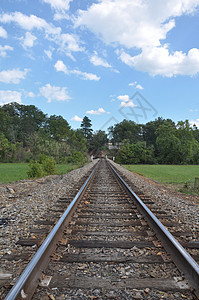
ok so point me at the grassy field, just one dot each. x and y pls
(167, 174)
(10, 172)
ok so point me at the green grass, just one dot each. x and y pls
(167, 174)
(10, 172)
(65, 168)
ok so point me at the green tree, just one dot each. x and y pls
(196, 132)
(150, 131)
(168, 145)
(19, 121)
(4, 147)
(11, 122)
(5, 123)
(125, 130)
(77, 141)
(189, 145)
(31, 120)
(58, 128)
(135, 154)
(98, 141)
(86, 128)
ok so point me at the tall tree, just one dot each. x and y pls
(12, 128)
(86, 128)
(125, 130)
(168, 145)
(196, 132)
(189, 145)
(77, 141)
(32, 119)
(22, 121)
(150, 129)
(58, 128)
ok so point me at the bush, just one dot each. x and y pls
(35, 171)
(49, 166)
(43, 167)
(76, 158)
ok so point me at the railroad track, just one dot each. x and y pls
(108, 245)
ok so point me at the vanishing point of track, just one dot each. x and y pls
(108, 240)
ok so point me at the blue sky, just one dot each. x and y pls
(107, 59)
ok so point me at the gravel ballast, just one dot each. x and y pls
(184, 208)
(24, 202)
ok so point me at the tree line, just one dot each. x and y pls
(26, 133)
(161, 141)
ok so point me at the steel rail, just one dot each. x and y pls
(185, 263)
(29, 279)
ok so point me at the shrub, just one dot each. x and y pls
(43, 167)
(76, 158)
(49, 166)
(35, 171)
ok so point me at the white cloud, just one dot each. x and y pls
(143, 25)
(128, 104)
(100, 111)
(13, 76)
(158, 61)
(4, 49)
(67, 42)
(116, 71)
(28, 40)
(31, 94)
(133, 83)
(85, 75)
(9, 96)
(136, 85)
(58, 4)
(129, 23)
(112, 98)
(124, 98)
(54, 93)
(61, 16)
(3, 32)
(28, 94)
(139, 87)
(126, 101)
(60, 7)
(134, 23)
(61, 67)
(196, 122)
(98, 61)
(29, 22)
(76, 118)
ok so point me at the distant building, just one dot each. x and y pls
(114, 147)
